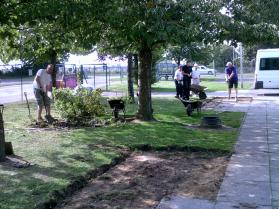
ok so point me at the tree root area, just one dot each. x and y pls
(146, 177)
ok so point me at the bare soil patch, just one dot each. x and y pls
(146, 177)
(212, 103)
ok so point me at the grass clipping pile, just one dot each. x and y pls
(146, 177)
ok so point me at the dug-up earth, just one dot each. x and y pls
(145, 178)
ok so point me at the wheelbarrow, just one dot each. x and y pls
(117, 105)
(191, 105)
(198, 90)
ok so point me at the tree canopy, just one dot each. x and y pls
(144, 26)
(47, 30)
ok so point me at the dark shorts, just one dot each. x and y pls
(41, 98)
(232, 83)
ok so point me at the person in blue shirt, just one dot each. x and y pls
(231, 78)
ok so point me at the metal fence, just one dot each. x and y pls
(16, 80)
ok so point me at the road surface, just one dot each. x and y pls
(13, 91)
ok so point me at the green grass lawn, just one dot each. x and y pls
(169, 86)
(61, 155)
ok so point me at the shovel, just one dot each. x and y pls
(25, 94)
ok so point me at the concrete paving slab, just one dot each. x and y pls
(274, 160)
(257, 114)
(273, 148)
(250, 159)
(273, 130)
(256, 193)
(255, 119)
(275, 195)
(179, 202)
(252, 138)
(259, 127)
(253, 132)
(247, 147)
(246, 172)
(273, 139)
(273, 123)
(272, 119)
(274, 174)
(236, 205)
(248, 138)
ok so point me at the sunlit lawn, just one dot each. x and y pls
(211, 85)
(169, 86)
(60, 155)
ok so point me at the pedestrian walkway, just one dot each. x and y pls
(252, 177)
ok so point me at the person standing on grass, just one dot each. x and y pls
(232, 79)
(178, 79)
(196, 75)
(40, 86)
(187, 75)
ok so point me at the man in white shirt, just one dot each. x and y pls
(195, 75)
(178, 79)
(41, 84)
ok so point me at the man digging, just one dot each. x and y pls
(40, 85)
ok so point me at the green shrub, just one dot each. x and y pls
(79, 106)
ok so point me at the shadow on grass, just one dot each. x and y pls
(43, 186)
(65, 159)
(162, 89)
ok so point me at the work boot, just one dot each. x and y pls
(49, 119)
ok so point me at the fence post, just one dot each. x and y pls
(94, 75)
(241, 64)
(2, 135)
(106, 77)
(21, 83)
(109, 75)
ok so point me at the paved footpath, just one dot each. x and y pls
(252, 177)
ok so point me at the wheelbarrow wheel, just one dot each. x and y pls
(202, 95)
(189, 110)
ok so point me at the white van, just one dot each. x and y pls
(267, 69)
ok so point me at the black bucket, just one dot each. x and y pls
(212, 121)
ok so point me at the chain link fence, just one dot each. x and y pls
(15, 80)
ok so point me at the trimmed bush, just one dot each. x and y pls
(78, 106)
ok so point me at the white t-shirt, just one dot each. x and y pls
(45, 79)
(178, 74)
(195, 77)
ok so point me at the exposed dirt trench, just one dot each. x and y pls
(146, 177)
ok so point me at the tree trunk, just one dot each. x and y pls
(53, 58)
(130, 79)
(179, 57)
(136, 69)
(178, 61)
(2, 136)
(145, 103)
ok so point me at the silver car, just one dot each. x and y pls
(205, 70)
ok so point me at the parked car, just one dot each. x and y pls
(205, 70)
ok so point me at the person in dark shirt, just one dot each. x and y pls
(231, 78)
(187, 75)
